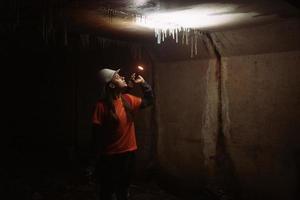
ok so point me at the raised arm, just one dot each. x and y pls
(148, 97)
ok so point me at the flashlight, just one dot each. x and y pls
(139, 69)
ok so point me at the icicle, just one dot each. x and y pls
(192, 47)
(141, 19)
(182, 38)
(159, 37)
(196, 43)
(173, 34)
(187, 37)
(109, 15)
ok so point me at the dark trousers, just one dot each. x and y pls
(113, 175)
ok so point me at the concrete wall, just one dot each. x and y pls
(255, 154)
(261, 115)
(186, 95)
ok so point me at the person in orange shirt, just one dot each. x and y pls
(114, 132)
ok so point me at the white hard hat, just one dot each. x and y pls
(105, 75)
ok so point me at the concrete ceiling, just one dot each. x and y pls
(115, 18)
(255, 26)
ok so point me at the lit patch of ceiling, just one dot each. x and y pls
(198, 17)
(205, 15)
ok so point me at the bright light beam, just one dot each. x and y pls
(198, 17)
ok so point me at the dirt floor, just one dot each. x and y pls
(78, 184)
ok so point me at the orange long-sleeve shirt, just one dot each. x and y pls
(123, 139)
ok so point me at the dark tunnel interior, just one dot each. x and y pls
(224, 124)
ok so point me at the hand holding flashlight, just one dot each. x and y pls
(138, 70)
(137, 78)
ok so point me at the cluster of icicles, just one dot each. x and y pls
(185, 36)
(188, 37)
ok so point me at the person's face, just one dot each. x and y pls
(119, 81)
